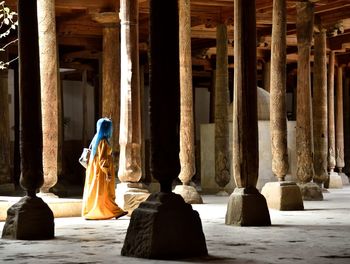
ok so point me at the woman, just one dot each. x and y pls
(99, 193)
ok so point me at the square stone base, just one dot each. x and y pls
(130, 195)
(164, 227)
(29, 219)
(344, 178)
(247, 207)
(283, 195)
(311, 191)
(335, 181)
(189, 194)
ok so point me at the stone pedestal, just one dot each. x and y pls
(344, 178)
(129, 195)
(283, 195)
(164, 227)
(247, 207)
(29, 219)
(335, 181)
(310, 191)
(189, 194)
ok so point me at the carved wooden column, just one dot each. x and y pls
(304, 140)
(339, 129)
(346, 96)
(222, 102)
(111, 75)
(331, 122)
(49, 93)
(6, 181)
(187, 149)
(320, 108)
(166, 207)
(30, 218)
(130, 192)
(280, 195)
(245, 146)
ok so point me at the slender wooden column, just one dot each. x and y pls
(222, 153)
(49, 92)
(130, 192)
(111, 75)
(346, 96)
(6, 183)
(304, 130)
(280, 195)
(331, 119)
(245, 124)
(187, 149)
(339, 136)
(278, 113)
(320, 108)
(30, 218)
(165, 206)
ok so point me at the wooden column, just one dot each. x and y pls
(6, 182)
(278, 114)
(111, 75)
(339, 136)
(187, 148)
(130, 193)
(245, 124)
(280, 195)
(320, 108)
(331, 119)
(159, 241)
(304, 129)
(222, 102)
(346, 96)
(49, 92)
(30, 218)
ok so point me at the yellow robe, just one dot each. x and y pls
(99, 192)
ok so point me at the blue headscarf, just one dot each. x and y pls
(104, 130)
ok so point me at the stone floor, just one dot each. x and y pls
(319, 234)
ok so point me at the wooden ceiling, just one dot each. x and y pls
(80, 38)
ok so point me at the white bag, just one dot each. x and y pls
(85, 156)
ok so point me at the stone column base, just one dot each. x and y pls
(46, 194)
(310, 191)
(129, 195)
(335, 181)
(164, 227)
(283, 195)
(29, 219)
(189, 193)
(247, 207)
(7, 189)
(344, 178)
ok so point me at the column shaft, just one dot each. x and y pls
(304, 144)
(49, 91)
(331, 119)
(278, 118)
(164, 103)
(130, 113)
(111, 75)
(339, 139)
(222, 153)
(245, 126)
(320, 108)
(346, 96)
(5, 151)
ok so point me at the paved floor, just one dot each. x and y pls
(319, 234)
